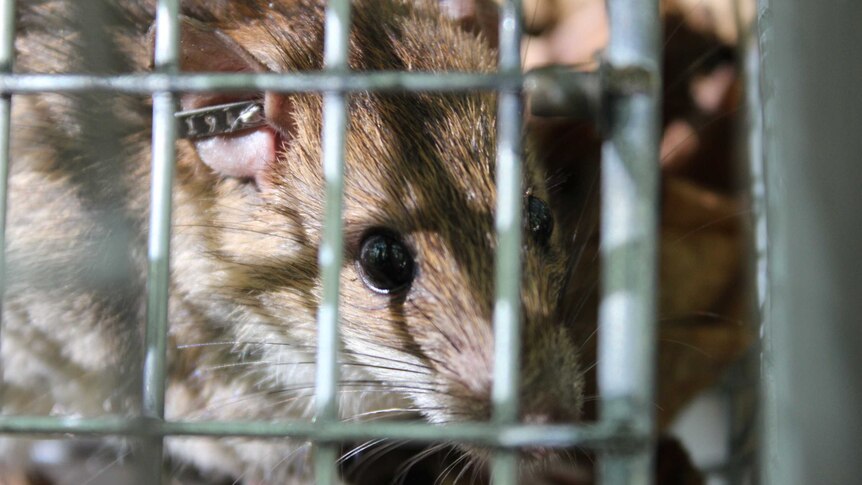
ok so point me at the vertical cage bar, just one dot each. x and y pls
(629, 218)
(769, 394)
(336, 46)
(166, 59)
(7, 57)
(753, 135)
(811, 55)
(507, 305)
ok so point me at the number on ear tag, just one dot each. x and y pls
(220, 119)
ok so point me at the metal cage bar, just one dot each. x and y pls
(336, 45)
(166, 59)
(597, 436)
(507, 305)
(328, 81)
(811, 60)
(629, 221)
(7, 58)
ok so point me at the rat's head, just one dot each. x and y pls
(417, 286)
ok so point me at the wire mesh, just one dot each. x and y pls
(629, 239)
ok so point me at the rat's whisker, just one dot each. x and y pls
(358, 449)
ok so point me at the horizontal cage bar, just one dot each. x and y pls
(385, 81)
(602, 435)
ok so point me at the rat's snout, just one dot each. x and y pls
(550, 413)
(552, 382)
(552, 376)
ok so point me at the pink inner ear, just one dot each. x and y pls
(244, 155)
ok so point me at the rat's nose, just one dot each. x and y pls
(554, 416)
(546, 407)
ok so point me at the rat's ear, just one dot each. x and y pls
(480, 16)
(245, 154)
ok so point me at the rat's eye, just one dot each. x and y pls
(384, 263)
(539, 220)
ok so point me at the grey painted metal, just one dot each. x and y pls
(747, 439)
(594, 436)
(811, 54)
(335, 55)
(770, 439)
(7, 57)
(507, 305)
(629, 218)
(562, 91)
(296, 82)
(166, 57)
(580, 94)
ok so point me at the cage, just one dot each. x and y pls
(803, 238)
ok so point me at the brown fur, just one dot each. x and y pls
(244, 260)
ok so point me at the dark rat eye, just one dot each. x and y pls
(539, 220)
(384, 262)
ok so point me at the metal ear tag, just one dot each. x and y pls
(220, 119)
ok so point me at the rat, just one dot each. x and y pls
(418, 211)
